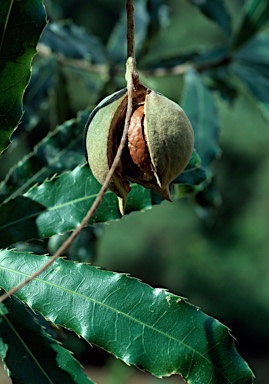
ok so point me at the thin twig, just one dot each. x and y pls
(130, 28)
(130, 76)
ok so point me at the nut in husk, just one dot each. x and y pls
(159, 145)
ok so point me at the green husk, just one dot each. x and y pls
(167, 131)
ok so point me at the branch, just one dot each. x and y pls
(130, 28)
(131, 77)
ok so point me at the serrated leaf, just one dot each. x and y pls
(215, 10)
(200, 108)
(21, 24)
(61, 150)
(256, 83)
(44, 360)
(60, 204)
(256, 14)
(150, 328)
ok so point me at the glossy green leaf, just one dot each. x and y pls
(199, 105)
(150, 328)
(256, 15)
(44, 360)
(21, 24)
(61, 150)
(256, 83)
(59, 205)
(217, 11)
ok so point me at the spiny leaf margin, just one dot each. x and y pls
(59, 205)
(61, 150)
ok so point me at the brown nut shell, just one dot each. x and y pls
(160, 142)
(169, 141)
(137, 143)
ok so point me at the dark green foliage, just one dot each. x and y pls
(129, 319)
(32, 355)
(15, 58)
(256, 13)
(217, 11)
(61, 150)
(212, 57)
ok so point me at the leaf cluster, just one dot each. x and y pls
(46, 188)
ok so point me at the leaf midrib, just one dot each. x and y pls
(13, 329)
(75, 201)
(55, 207)
(6, 23)
(71, 292)
(42, 170)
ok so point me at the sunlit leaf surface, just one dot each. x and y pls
(150, 328)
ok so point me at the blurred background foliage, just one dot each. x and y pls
(211, 247)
